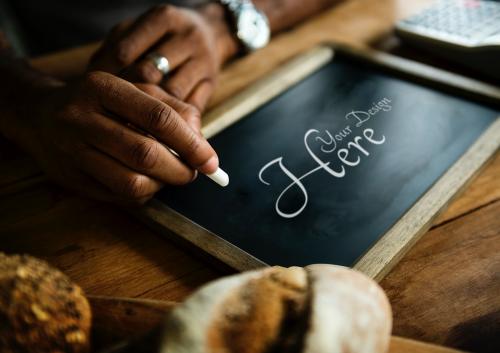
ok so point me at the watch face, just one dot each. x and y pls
(253, 28)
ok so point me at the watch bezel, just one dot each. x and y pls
(237, 10)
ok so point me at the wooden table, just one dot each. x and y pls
(445, 290)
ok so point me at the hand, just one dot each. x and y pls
(86, 138)
(195, 44)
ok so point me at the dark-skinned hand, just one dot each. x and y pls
(195, 43)
(95, 137)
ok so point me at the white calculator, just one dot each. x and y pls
(466, 31)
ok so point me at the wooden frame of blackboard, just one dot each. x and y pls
(391, 247)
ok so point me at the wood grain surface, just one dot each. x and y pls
(459, 261)
(445, 290)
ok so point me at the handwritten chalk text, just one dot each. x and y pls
(346, 157)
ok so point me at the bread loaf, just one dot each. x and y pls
(41, 310)
(316, 309)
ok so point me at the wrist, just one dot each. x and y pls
(228, 45)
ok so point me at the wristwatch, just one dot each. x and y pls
(251, 25)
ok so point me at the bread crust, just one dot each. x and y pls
(41, 310)
(316, 309)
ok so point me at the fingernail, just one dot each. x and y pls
(195, 175)
(209, 166)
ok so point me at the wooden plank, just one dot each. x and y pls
(22, 204)
(16, 166)
(170, 224)
(116, 319)
(445, 290)
(119, 319)
(485, 189)
(100, 247)
(404, 345)
(382, 257)
(66, 63)
(237, 107)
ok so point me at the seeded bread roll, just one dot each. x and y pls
(41, 310)
(316, 309)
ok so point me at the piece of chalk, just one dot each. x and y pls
(220, 177)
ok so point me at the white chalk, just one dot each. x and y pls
(220, 177)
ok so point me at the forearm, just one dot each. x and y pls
(21, 90)
(283, 14)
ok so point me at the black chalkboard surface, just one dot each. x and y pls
(320, 173)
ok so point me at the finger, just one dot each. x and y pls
(143, 34)
(83, 185)
(159, 119)
(201, 94)
(136, 151)
(177, 50)
(88, 187)
(119, 30)
(188, 112)
(182, 82)
(116, 33)
(120, 180)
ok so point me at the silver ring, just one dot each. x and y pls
(160, 62)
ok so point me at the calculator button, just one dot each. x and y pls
(466, 21)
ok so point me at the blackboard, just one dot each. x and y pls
(321, 172)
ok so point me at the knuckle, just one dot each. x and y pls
(161, 119)
(164, 10)
(176, 90)
(196, 34)
(148, 73)
(183, 179)
(148, 88)
(134, 187)
(208, 69)
(146, 154)
(123, 52)
(98, 81)
(193, 144)
(140, 201)
(201, 69)
(191, 112)
(69, 113)
(94, 78)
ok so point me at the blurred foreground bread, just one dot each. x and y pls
(316, 309)
(41, 310)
